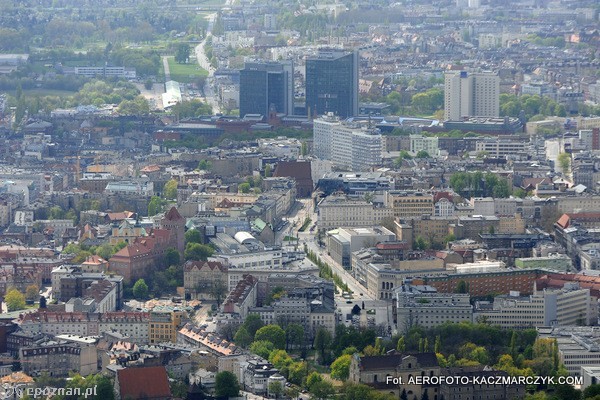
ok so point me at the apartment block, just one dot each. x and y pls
(336, 211)
(548, 307)
(469, 94)
(423, 306)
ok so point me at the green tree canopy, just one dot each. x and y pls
(172, 257)
(32, 292)
(226, 385)
(170, 190)
(253, 323)
(271, 333)
(14, 300)
(197, 251)
(154, 206)
(242, 338)
(322, 343)
(182, 55)
(191, 108)
(322, 390)
(140, 289)
(262, 348)
(244, 187)
(340, 368)
(193, 236)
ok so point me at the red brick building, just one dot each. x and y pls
(484, 284)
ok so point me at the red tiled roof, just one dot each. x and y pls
(118, 216)
(564, 221)
(173, 215)
(392, 246)
(189, 265)
(133, 250)
(442, 195)
(94, 260)
(144, 383)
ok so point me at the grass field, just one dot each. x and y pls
(47, 92)
(185, 73)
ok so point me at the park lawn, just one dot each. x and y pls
(47, 92)
(210, 3)
(185, 73)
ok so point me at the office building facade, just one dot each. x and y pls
(267, 84)
(469, 94)
(332, 83)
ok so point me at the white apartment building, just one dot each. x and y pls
(423, 306)
(469, 93)
(347, 145)
(426, 143)
(550, 307)
(336, 211)
(130, 187)
(499, 147)
(576, 351)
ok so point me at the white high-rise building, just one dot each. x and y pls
(471, 94)
(346, 145)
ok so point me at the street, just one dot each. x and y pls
(204, 62)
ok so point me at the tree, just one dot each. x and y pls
(105, 251)
(404, 155)
(340, 368)
(262, 348)
(197, 251)
(244, 187)
(226, 385)
(591, 391)
(294, 335)
(297, 372)
(462, 287)
(401, 345)
(137, 106)
(292, 392)
(204, 165)
(193, 236)
(253, 323)
(322, 390)
(218, 291)
(242, 337)
(322, 343)
(422, 154)
(312, 379)
(268, 171)
(154, 206)
(182, 55)
(275, 389)
(272, 333)
(32, 292)
(421, 243)
(148, 84)
(172, 257)
(356, 310)
(519, 192)
(564, 162)
(280, 359)
(42, 302)
(170, 190)
(140, 289)
(14, 300)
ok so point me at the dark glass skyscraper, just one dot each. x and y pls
(263, 84)
(332, 83)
